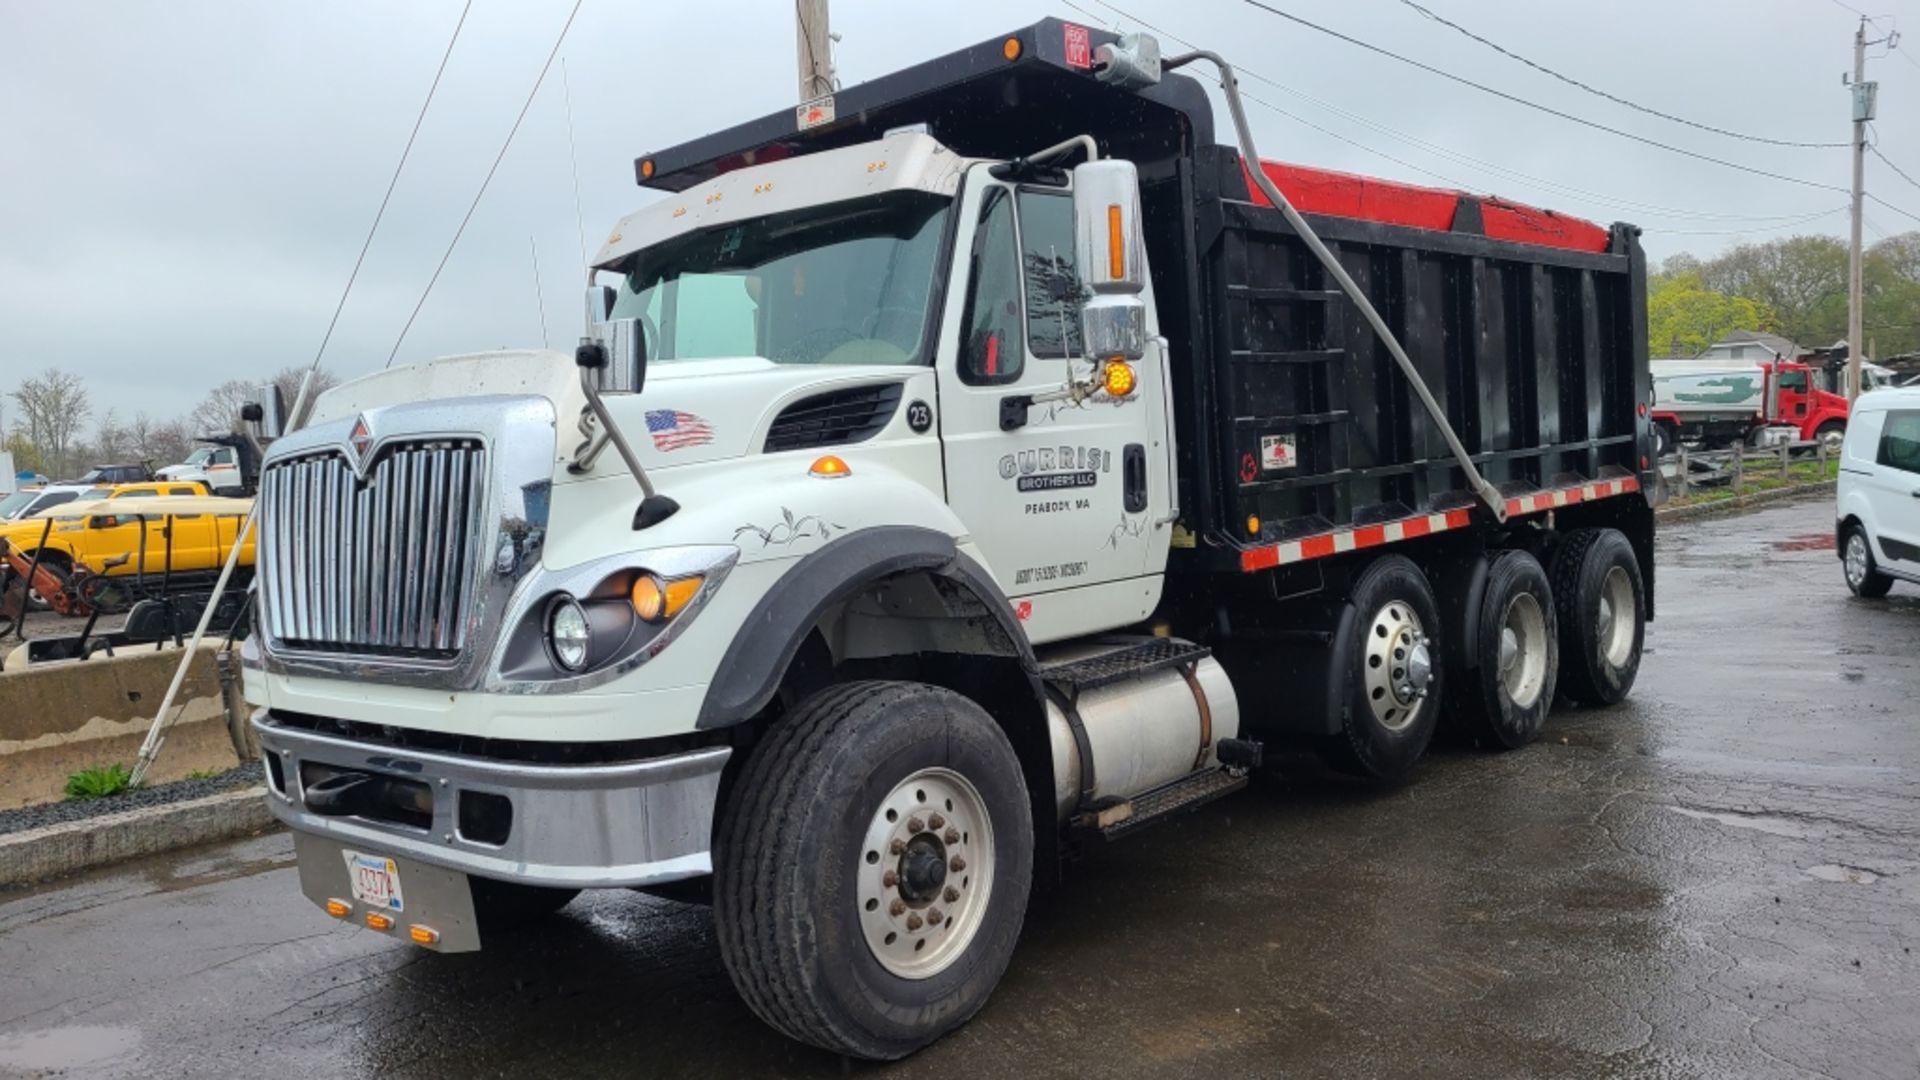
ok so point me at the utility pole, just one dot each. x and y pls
(815, 49)
(1862, 112)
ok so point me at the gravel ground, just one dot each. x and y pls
(33, 817)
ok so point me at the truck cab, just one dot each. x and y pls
(970, 467)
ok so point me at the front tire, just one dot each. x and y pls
(872, 868)
(1516, 655)
(1856, 563)
(1393, 685)
(1600, 603)
(1832, 434)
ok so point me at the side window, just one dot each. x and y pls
(136, 492)
(991, 350)
(1900, 441)
(183, 491)
(1053, 284)
(1794, 380)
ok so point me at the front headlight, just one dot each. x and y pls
(579, 627)
(568, 633)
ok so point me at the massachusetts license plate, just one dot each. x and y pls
(375, 880)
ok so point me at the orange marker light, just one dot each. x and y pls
(1119, 378)
(379, 921)
(339, 909)
(829, 467)
(1010, 48)
(680, 592)
(646, 168)
(1116, 244)
(1253, 524)
(423, 935)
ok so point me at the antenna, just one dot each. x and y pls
(539, 301)
(573, 155)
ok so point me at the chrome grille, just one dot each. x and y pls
(381, 567)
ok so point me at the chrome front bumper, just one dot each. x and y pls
(573, 826)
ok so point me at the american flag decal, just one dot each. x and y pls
(672, 429)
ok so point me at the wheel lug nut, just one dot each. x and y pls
(933, 916)
(897, 908)
(952, 837)
(897, 846)
(890, 879)
(958, 864)
(952, 894)
(913, 922)
(914, 824)
(936, 822)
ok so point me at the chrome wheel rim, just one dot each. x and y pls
(1523, 650)
(1617, 617)
(925, 873)
(1833, 439)
(1856, 559)
(1399, 668)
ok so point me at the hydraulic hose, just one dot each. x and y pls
(1231, 86)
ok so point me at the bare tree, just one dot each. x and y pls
(219, 412)
(110, 442)
(52, 409)
(289, 380)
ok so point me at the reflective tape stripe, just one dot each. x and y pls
(1367, 536)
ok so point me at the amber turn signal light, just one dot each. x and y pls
(1118, 379)
(654, 600)
(379, 921)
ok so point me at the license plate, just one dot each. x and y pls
(375, 880)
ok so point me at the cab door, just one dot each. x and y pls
(1894, 489)
(1066, 503)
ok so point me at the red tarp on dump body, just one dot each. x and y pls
(1338, 194)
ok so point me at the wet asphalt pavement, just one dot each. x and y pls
(1719, 878)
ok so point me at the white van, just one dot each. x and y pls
(1879, 492)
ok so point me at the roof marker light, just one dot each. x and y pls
(1010, 48)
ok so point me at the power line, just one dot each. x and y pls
(1615, 98)
(1600, 198)
(1890, 206)
(475, 205)
(391, 184)
(1764, 228)
(1898, 171)
(1483, 88)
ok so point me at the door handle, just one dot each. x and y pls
(1133, 469)
(1013, 411)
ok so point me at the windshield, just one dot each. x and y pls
(200, 456)
(14, 503)
(846, 283)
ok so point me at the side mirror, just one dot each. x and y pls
(624, 342)
(1112, 258)
(267, 409)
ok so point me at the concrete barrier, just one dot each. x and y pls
(57, 719)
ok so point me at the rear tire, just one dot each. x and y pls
(1505, 698)
(1857, 566)
(873, 866)
(1600, 603)
(1394, 684)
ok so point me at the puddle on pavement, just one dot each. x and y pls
(1806, 542)
(66, 1048)
(1844, 875)
(1773, 826)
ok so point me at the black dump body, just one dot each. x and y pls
(1537, 354)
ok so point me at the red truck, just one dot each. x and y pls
(1721, 403)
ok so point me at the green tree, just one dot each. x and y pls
(1686, 316)
(1801, 280)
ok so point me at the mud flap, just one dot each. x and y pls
(429, 896)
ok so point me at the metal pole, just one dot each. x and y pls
(1685, 470)
(815, 48)
(1855, 300)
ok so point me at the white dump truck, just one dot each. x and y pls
(978, 464)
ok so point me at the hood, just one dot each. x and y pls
(695, 411)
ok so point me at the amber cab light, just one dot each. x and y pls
(829, 467)
(1010, 48)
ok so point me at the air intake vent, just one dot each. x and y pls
(834, 418)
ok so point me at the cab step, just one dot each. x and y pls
(1126, 662)
(1188, 792)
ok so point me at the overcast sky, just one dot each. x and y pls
(184, 186)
